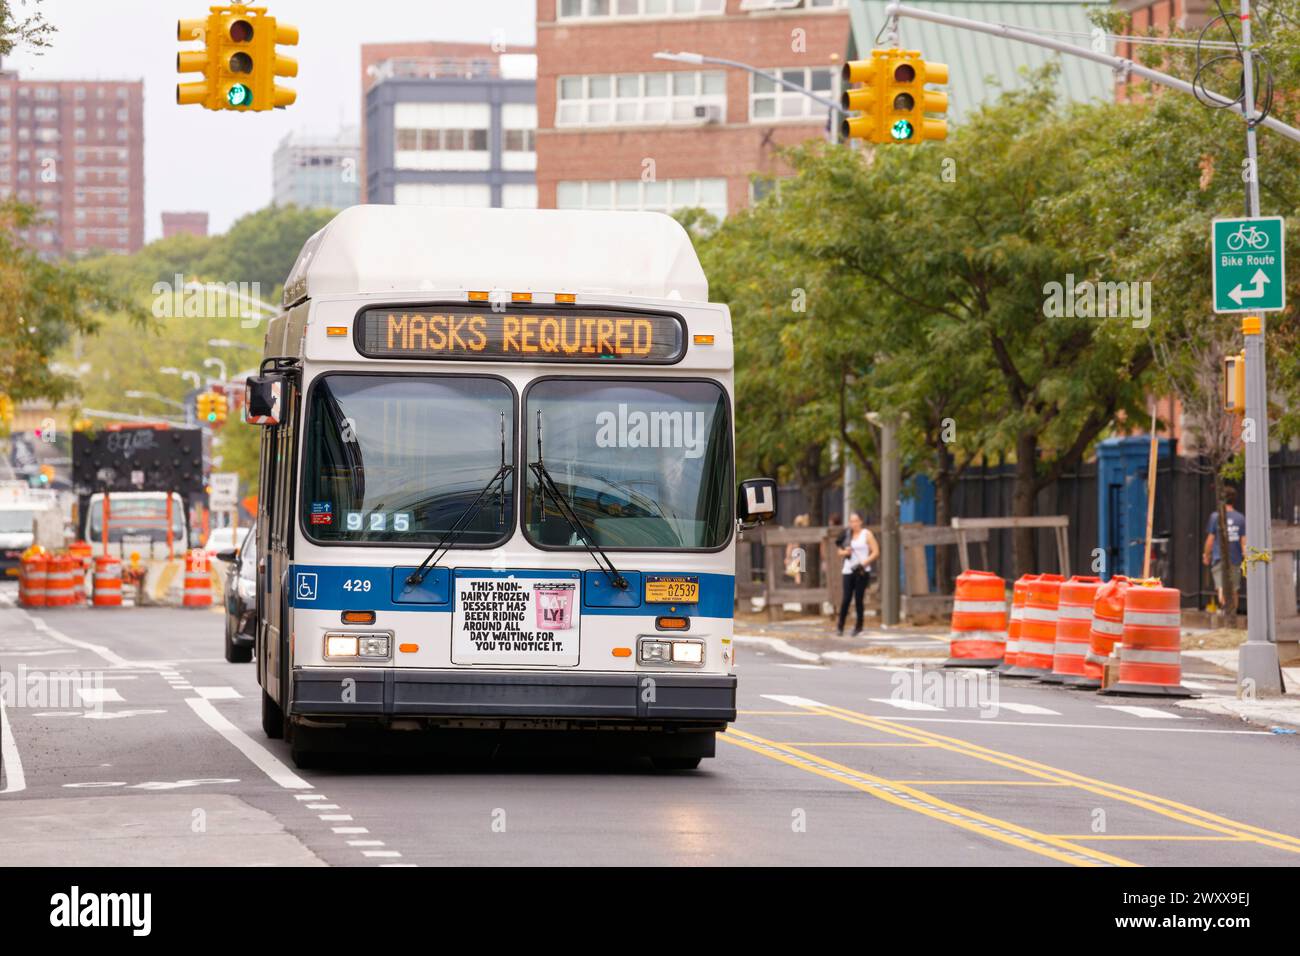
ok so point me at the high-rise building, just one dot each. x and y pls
(184, 224)
(75, 150)
(620, 129)
(317, 170)
(449, 124)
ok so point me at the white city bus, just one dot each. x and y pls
(497, 484)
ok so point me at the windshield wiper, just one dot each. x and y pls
(545, 484)
(461, 524)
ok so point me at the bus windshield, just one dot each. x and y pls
(399, 458)
(643, 464)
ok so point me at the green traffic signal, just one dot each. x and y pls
(239, 95)
(212, 416)
(901, 130)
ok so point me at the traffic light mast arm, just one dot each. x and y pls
(1116, 63)
(719, 61)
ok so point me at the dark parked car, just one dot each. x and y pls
(241, 598)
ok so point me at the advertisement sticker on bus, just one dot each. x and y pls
(516, 620)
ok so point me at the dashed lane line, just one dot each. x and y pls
(918, 801)
(1146, 713)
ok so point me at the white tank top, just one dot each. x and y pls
(858, 544)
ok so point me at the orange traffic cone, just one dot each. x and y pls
(1150, 658)
(979, 620)
(1073, 623)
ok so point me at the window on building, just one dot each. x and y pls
(640, 98)
(441, 135)
(769, 100)
(604, 9)
(634, 194)
(443, 194)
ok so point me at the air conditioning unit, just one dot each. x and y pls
(708, 113)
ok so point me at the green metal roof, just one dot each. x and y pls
(975, 59)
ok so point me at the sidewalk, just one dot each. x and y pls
(1282, 713)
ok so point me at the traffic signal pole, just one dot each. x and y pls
(1258, 670)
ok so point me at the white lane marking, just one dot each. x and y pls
(115, 714)
(903, 704)
(182, 687)
(380, 853)
(322, 806)
(778, 645)
(217, 693)
(262, 758)
(1197, 685)
(308, 796)
(99, 695)
(1026, 709)
(58, 650)
(11, 765)
(114, 659)
(804, 667)
(1149, 713)
(338, 817)
(349, 829)
(365, 843)
(792, 701)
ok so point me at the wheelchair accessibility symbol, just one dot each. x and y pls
(306, 589)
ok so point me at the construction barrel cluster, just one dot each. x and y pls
(59, 579)
(1121, 636)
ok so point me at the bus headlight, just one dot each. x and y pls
(655, 650)
(344, 646)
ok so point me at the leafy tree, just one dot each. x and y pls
(23, 28)
(43, 305)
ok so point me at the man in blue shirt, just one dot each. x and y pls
(1213, 554)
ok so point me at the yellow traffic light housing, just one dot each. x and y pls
(1234, 383)
(239, 61)
(893, 102)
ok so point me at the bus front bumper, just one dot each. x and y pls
(659, 698)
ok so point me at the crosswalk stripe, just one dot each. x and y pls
(1026, 709)
(1148, 712)
(903, 704)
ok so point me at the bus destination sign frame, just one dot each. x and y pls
(551, 334)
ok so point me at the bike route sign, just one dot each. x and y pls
(1249, 264)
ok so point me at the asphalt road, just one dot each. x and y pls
(842, 764)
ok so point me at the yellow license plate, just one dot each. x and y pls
(672, 591)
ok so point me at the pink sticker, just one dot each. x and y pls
(554, 606)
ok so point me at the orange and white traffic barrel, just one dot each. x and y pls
(59, 590)
(1019, 592)
(1150, 657)
(198, 580)
(108, 582)
(979, 620)
(1106, 629)
(1038, 627)
(31, 582)
(1073, 626)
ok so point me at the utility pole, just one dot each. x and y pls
(890, 485)
(1258, 671)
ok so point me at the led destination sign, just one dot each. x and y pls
(466, 332)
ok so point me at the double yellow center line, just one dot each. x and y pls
(1059, 848)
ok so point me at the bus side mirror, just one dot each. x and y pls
(263, 395)
(756, 501)
(227, 556)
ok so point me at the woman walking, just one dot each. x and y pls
(859, 552)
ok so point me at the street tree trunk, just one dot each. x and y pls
(1023, 557)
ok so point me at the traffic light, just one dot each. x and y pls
(239, 60)
(207, 408)
(219, 409)
(893, 100)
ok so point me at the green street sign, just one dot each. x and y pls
(1249, 266)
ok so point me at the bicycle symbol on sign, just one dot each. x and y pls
(1247, 235)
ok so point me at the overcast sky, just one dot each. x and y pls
(221, 162)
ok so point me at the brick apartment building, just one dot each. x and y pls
(184, 224)
(75, 150)
(618, 129)
(432, 90)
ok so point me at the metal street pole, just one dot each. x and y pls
(700, 58)
(1258, 670)
(890, 485)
